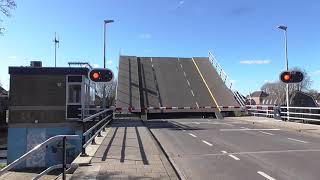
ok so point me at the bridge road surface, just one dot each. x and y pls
(171, 82)
(220, 91)
(236, 150)
(128, 94)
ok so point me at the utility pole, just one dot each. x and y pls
(284, 28)
(56, 42)
(104, 59)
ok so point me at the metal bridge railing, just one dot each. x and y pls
(64, 165)
(225, 78)
(105, 117)
(304, 114)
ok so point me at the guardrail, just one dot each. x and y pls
(262, 110)
(303, 114)
(105, 117)
(44, 145)
(225, 78)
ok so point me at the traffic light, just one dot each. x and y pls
(291, 76)
(101, 75)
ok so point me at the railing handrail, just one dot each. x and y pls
(225, 78)
(51, 168)
(96, 114)
(41, 145)
(97, 124)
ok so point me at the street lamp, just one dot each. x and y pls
(104, 60)
(284, 28)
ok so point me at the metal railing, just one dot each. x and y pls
(261, 110)
(105, 117)
(225, 78)
(303, 114)
(44, 145)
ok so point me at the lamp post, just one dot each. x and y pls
(284, 28)
(104, 60)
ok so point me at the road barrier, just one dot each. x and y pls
(133, 109)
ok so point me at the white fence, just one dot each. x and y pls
(304, 114)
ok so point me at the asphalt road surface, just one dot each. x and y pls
(236, 150)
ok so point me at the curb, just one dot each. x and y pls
(166, 154)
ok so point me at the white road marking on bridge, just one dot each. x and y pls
(230, 155)
(234, 157)
(266, 133)
(197, 105)
(181, 65)
(244, 127)
(192, 92)
(197, 123)
(249, 129)
(297, 140)
(184, 73)
(192, 135)
(188, 82)
(265, 175)
(209, 144)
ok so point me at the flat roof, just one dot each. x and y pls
(48, 70)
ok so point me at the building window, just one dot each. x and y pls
(74, 93)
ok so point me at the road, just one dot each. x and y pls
(230, 150)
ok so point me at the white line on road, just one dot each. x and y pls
(297, 140)
(188, 82)
(184, 73)
(192, 135)
(230, 155)
(249, 129)
(265, 175)
(192, 92)
(197, 104)
(234, 157)
(206, 142)
(181, 65)
(266, 133)
(197, 123)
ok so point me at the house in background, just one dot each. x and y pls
(257, 97)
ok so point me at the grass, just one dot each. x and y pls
(2, 166)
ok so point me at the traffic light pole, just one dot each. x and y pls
(104, 65)
(287, 68)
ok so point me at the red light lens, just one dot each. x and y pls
(95, 75)
(286, 77)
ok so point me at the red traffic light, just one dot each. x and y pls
(95, 75)
(100, 75)
(287, 77)
(291, 76)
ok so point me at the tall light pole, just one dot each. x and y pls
(104, 60)
(56, 41)
(284, 28)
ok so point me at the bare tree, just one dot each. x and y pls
(110, 90)
(6, 6)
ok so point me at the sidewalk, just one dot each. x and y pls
(310, 129)
(127, 152)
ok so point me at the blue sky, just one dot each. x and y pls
(242, 34)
